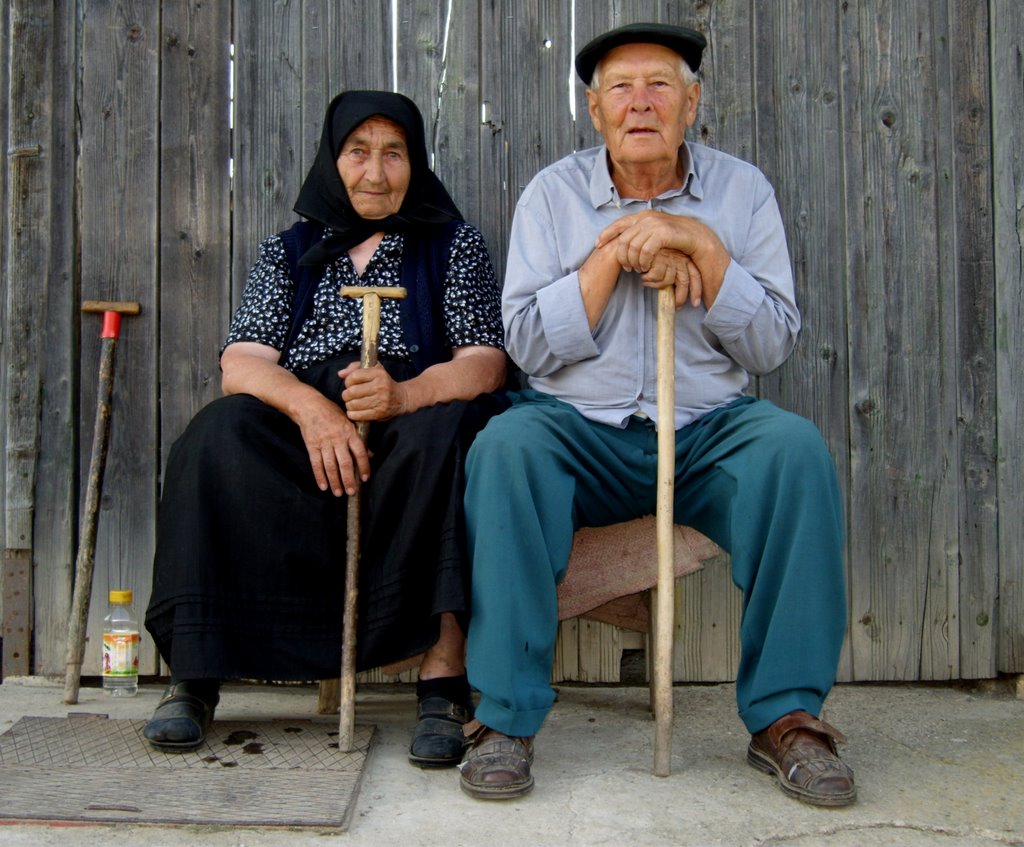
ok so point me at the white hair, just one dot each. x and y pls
(686, 73)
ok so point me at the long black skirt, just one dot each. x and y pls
(248, 578)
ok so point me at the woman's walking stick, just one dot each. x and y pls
(665, 606)
(371, 296)
(86, 559)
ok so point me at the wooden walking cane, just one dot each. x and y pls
(86, 559)
(371, 297)
(665, 605)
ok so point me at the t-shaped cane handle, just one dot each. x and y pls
(371, 296)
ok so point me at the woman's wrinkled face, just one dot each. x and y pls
(374, 166)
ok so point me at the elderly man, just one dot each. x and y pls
(594, 235)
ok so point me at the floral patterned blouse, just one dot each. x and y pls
(472, 307)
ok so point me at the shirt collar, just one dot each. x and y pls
(603, 191)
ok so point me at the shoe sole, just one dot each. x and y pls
(509, 793)
(174, 747)
(433, 764)
(761, 762)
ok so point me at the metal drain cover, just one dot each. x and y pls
(266, 773)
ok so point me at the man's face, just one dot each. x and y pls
(642, 106)
(374, 166)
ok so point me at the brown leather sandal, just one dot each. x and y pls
(495, 767)
(800, 751)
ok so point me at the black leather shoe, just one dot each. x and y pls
(183, 716)
(438, 739)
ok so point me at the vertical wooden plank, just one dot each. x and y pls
(195, 222)
(268, 166)
(587, 651)
(26, 239)
(707, 642)
(600, 652)
(798, 146)
(455, 121)
(16, 631)
(963, 44)
(345, 46)
(40, 326)
(566, 664)
(421, 32)
(1007, 36)
(195, 200)
(54, 529)
(120, 191)
(4, 65)
(5, 60)
(903, 510)
(730, 76)
(526, 58)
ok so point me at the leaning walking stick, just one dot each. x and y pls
(86, 558)
(371, 296)
(665, 607)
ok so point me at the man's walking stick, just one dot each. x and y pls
(86, 559)
(371, 327)
(665, 607)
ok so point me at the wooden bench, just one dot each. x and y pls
(612, 571)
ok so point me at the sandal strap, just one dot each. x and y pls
(780, 732)
(442, 709)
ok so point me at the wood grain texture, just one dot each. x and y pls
(119, 242)
(40, 315)
(195, 220)
(1007, 36)
(891, 132)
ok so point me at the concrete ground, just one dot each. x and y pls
(935, 765)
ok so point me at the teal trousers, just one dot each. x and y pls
(757, 480)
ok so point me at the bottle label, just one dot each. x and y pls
(120, 654)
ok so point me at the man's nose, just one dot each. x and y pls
(641, 101)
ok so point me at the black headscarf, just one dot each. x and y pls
(323, 197)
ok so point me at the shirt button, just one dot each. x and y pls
(414, 348)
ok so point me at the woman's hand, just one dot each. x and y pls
(336, 452)
(371, 394)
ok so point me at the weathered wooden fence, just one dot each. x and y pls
(892, 130)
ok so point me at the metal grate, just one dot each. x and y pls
(90, 768)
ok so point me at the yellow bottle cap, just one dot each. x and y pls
(120, 597)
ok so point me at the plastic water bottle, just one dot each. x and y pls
(121, 647)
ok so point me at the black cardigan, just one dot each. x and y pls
(425, 261)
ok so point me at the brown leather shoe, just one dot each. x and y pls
(495, 767)
(800, 751)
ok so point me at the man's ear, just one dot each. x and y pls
(592, 108)
(692, 100)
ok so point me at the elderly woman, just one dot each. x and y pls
(249, 568)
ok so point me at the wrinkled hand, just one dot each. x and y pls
(641, 238)
(371, 394)
(671, 267)
(336, 452)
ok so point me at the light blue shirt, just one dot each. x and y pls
(609, 373)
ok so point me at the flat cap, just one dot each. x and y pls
(688, 43)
